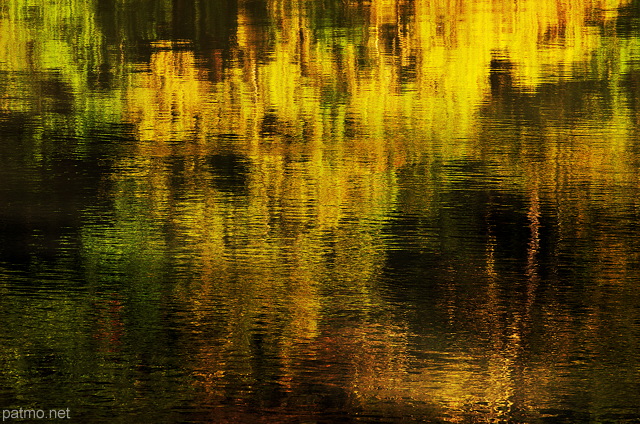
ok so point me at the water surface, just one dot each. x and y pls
(253, 211)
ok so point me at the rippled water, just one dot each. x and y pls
(285, 211)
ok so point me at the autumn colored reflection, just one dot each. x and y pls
(328, 211)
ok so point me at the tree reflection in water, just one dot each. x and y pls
(335, 210)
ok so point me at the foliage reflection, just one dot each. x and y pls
(391, 206)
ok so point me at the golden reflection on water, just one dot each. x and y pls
(320, 120)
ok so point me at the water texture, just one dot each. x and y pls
(327, 211)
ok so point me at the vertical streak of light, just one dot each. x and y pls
(532, 269)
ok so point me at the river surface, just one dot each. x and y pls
(331, 211)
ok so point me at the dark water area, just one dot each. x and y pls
(263, 211)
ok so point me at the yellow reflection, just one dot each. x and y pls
(167, 101)
(325, 120)
(46, 48)
(320, 121)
